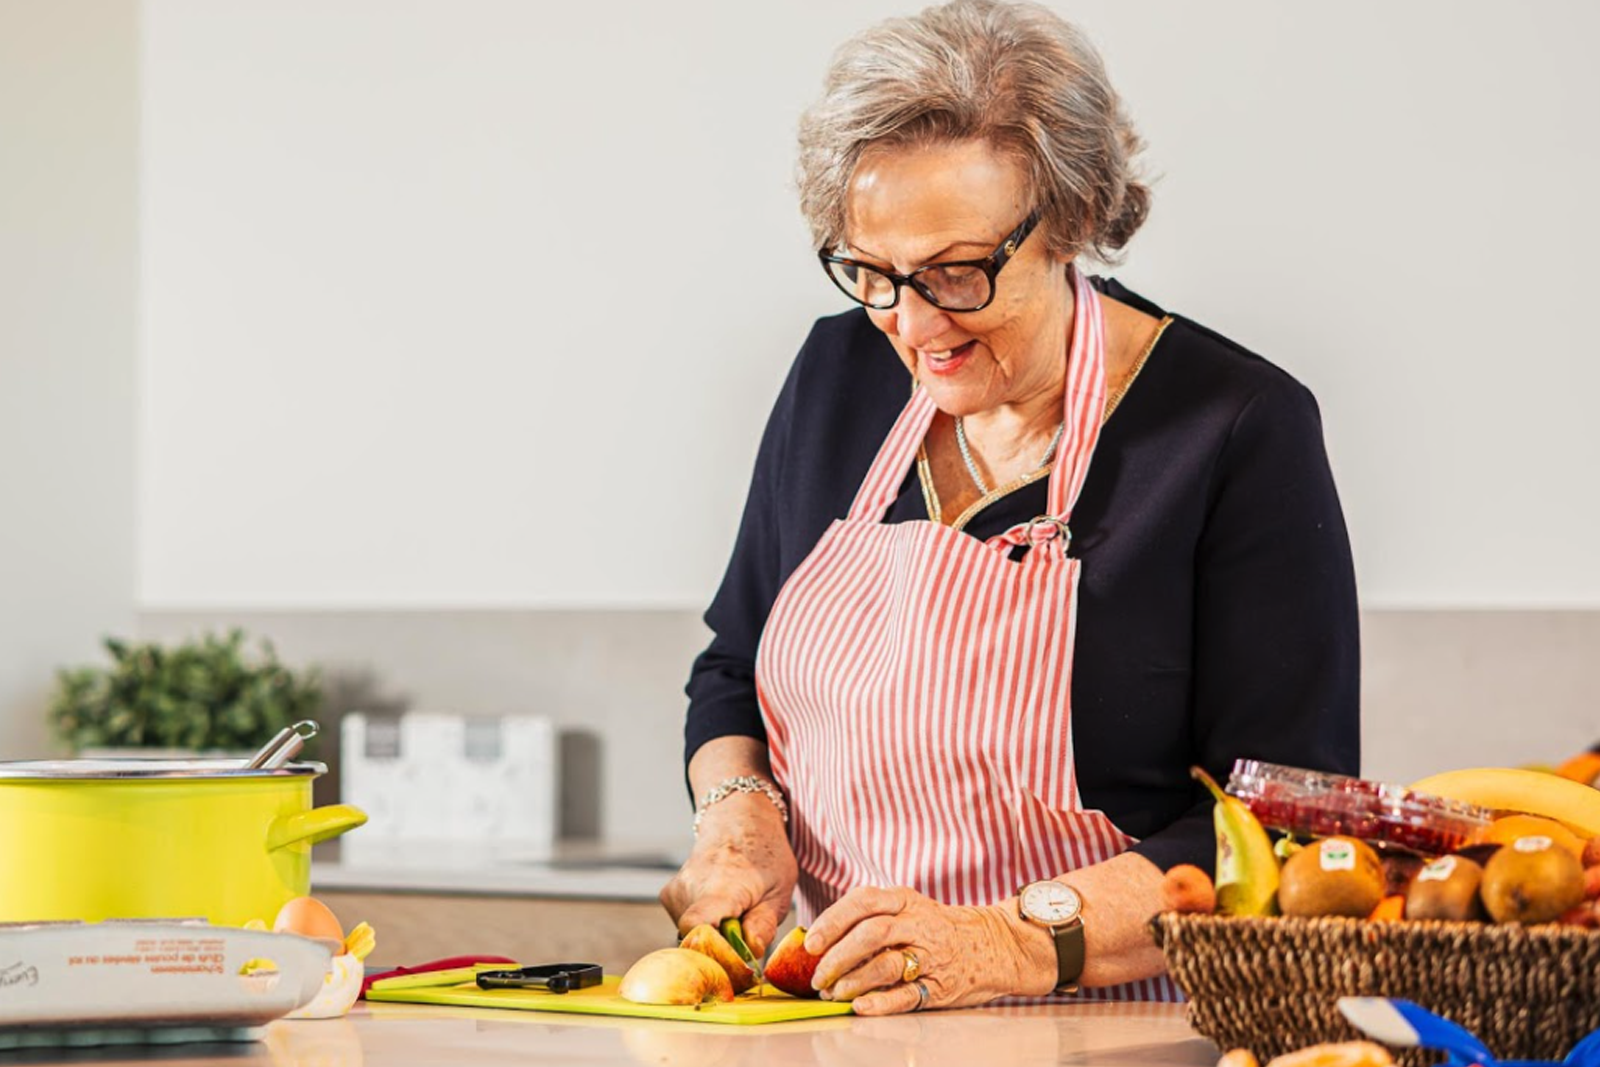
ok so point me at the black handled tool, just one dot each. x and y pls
(554, 977)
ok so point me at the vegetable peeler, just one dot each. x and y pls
(554, 977)
(1409, 1025)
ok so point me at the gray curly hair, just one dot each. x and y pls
(1012, 74)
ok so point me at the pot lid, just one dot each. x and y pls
(73, 770)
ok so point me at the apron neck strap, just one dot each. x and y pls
(1084, 401)
(898, 452)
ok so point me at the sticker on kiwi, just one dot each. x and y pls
(1532, 844)
(1439, 870)
(1337, 855)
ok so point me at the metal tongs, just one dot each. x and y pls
(1410, 1025)
(283, 747)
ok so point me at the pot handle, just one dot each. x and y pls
(310, 827)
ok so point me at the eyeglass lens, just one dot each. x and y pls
(953, 288)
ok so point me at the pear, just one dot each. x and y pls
(1247, 869)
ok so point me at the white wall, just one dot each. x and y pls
(68, 139)
(434, 316)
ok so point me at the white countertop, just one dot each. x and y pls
(411, 1035)
(628, 871)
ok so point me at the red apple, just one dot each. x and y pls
(706, 940)
(675, 976)
(790, 966)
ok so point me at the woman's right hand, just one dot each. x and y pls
(742, 867)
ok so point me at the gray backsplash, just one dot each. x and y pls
(611, 681)
(1441, 689)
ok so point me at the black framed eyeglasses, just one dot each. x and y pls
(965, 285)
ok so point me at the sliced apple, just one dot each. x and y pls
(790, 966)
(675, 976)
(706, 940)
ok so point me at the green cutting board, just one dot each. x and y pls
(748, 1010)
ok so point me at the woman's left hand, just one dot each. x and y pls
(963, 955)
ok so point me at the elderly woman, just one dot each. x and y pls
(1021, 548)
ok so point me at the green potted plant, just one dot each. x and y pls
(205, 695)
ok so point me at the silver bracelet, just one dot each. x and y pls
(744, 783)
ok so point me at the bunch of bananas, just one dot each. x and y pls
(1516, 790)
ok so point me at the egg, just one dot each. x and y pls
(308, 917)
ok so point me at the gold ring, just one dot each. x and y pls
(913, 967)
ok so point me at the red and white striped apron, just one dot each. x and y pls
(915, 685)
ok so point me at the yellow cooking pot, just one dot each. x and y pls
(125, 839)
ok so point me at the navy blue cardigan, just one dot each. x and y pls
(1217, 618)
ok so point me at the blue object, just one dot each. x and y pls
(1409, 1025)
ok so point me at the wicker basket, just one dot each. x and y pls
(1271, 985)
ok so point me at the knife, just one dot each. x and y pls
(733, 932)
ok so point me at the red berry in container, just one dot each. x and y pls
(1315, 803)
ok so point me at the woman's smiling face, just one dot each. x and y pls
(909, 207)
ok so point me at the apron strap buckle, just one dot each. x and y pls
(1036, 533)
(1043, 529)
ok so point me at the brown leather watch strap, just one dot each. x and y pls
(1069, 955)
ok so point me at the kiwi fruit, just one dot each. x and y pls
(1446, 889)
(1531, 880)
(1333, 876)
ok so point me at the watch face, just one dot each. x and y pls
(1051, 902)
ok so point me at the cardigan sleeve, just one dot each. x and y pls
(1276, 627)
(722, 686)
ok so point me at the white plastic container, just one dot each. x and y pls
(451, 783)
(149, 982)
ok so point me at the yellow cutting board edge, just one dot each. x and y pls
(748, 1010)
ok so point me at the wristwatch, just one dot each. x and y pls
(1059, 909)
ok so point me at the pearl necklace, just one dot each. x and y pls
(972, 468)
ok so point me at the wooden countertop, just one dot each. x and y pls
(410, 1035)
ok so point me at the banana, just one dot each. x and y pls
(1247, 869)
(1513, 789)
